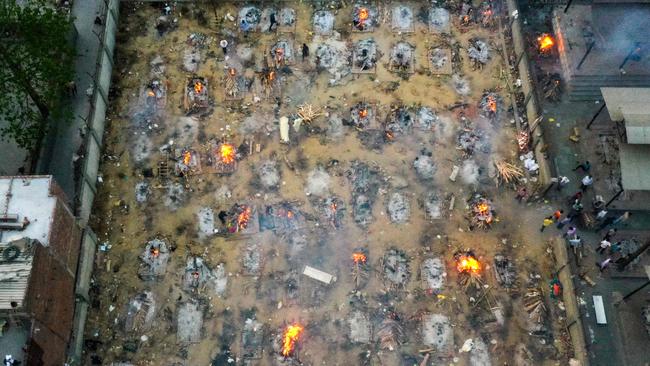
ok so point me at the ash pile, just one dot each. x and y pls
(365, 56)
(323, 22)
(471, 138)
(439, 61)
(478, 52)
(402, 57)
(249, 18)
(426, 119)
(399, 121)
(333, 55)
(425, 168)
(365, 182)
(395, 268)
(402, 19)
(398, 207)
(504, 271)
(438, 20)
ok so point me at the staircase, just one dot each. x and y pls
(587, 87)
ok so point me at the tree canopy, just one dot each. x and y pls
(36, 65)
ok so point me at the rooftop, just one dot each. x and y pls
(27, 198)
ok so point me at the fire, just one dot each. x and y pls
(333, 207)
(468, 264)
(363, 14)
(466, 19)
(492, 103)
(271, 75)
(359, 258)
(363, 113)
(289, 214)
(155, 252)
(545, 42)
(291, 335)
(198, 87)
(242, 219)
(187, 157)
(227, 153)
(151, 93)
(232, 71)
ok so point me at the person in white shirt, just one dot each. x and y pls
(586, 182)
(603, 246)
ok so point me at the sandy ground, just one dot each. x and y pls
(126, 225)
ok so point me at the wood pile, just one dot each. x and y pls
(390, 334)
(308, 113)
(507, 172)
(534, 304)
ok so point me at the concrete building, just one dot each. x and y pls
(39, 250)
(603, 44)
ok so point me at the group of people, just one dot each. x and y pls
(611, 251)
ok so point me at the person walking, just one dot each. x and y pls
(564, 221)
(609, 234)
(562, 182)
(584, 166)
(601, 215)
(575, 242)
(557, 215)
(626, 215)
(224, 46)
(547, 222)
(602, 265)
(570, 232)
(603, 246)
(586, 182)
(272, 22)
(305, 51)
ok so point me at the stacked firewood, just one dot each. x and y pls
(507, 172)
(534, 304)
(390, 334)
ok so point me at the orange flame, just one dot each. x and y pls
(151, 93)
(291, 335)
(271, 75)
(227, 152)
(363, 14)
(242, 219)
(363, 113)
(187, 157)
(545, 42)
(492, 103)
(359, 258)
(289, 214)
(232, 71)
(468, 264)
(155, 252)
(198, 87)
(483, 208)
(465, 19)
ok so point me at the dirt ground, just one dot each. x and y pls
(243, 322)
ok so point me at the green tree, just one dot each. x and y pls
(36, 65)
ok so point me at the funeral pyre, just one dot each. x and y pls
(282, 53)
(187, 163)
(481, 212)
(545, 44)
(489, 105)
(361, 115)
(399, 121)
(156, 93)
(332, 211)
(364, 18)
(360, 267)
(402, 57)
(469, 268)
(196, 95)
(238, 219)
(478, 52)
(236, 85)
(289, 340)
(365, 55)
(224, 158)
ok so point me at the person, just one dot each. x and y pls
(224, 46)
(586, 182)
(273, 22)
(576, 209)
(547, 221)
(584, 166)
(521, 194)
(72, 88)
(562, 182)
(570, 232)
(564, 221)
(10, 361)
(610, 234)
(602, 265)
(626, 215)
(557, 215)
(616, 247)
(601, 215)
(576, 197)
(305, 51)
(575, 242)
(603, 246)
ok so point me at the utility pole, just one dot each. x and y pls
(596, 115)
(589, 48)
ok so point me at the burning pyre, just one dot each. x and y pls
(481, 212)
(469, 268)
(224, 158)
(196, 95)
(290, 337)
(282, 53)
(359, 267)
(363, 18)
(361, 115)
(187, 163)
(399, 120)
(545, 43)
(487, 15)
(155, 93)
(332, 211)
(489, 104)
(238, 218)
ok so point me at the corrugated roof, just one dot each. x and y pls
(635, 166)
(14, 276)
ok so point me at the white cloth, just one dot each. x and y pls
(605, 244)
(223, 43)
(587, 180)
(601, 214)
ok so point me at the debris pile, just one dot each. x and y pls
(140, 313)
(551, 84)
(469, 138)
(399, 121)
